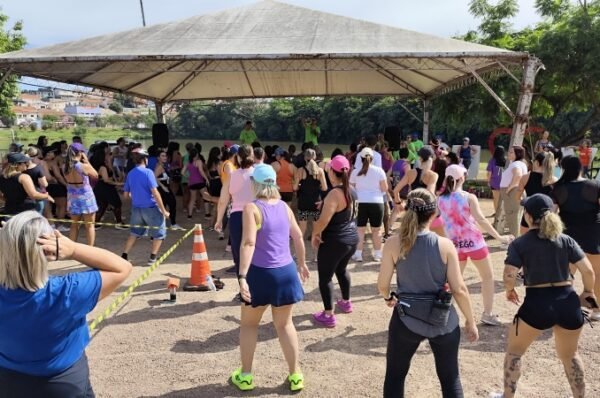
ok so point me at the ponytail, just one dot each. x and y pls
(311, 165)
(366, 162)
(548, 169)
(450, 186)
(421, 206)
(550, 226)
(345, 179)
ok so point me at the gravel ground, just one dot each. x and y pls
(149, 349)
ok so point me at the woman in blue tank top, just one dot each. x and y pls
(425, 265)
(269, 276)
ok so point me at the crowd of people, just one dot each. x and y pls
(265, 197)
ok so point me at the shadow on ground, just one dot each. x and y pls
(224, 390)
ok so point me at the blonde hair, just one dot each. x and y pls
(421, 205)
(548, 169)
(32, 152)
(549, 226)
(311, 165)
(23, 264)
(10, 170)
(265, 191)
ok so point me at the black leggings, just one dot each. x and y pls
(402, 345)
(333, 259)
(169, 201)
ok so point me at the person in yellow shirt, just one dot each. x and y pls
(248, 135)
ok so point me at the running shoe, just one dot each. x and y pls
(296, 381)
(121, 226)
(344, 306)
(207, 216)
(62, 228)
(221, 236)
(496, 395)
(357, 257)
(244, 383)
(324, 320)
(490, 319)
(228, 248)
(177, 227)
(151, 261)
(97, 227)
(377, 257)
(595, 317)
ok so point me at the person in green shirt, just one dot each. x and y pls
(415, 144)
(311, 131)
(248, 135)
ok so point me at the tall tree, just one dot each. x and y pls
(11, 39)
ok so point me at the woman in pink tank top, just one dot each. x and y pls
(461, 213)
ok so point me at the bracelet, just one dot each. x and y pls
(241, 277)
(392, 296)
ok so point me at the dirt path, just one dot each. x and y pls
(147, 349)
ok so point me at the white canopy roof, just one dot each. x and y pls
(267, 49)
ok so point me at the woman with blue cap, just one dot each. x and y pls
(268, 275)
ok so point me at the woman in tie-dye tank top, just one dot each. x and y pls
(461, 213)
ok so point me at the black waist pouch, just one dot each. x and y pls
(431, 309)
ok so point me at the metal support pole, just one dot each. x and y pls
(426, 121)
(143, 15)
(410, 112)
(530, 69)
(160, 116)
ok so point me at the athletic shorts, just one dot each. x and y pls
(546, 307)
(197, 187)
(287, 196)
(371, 213)
(151, 217)
(474, 255)
(305, 215)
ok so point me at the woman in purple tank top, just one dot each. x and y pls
(268, 275)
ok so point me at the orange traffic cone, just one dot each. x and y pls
(200, 272)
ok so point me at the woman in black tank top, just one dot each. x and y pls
(538, 180)
(335, 237)
(309, 183)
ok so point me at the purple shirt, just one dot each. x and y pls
(272, 247)
(496, 174)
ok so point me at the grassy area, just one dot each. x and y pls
(26, 136)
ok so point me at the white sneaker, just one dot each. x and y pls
(357, 257)
(228, 249)
(62, 228)
(595, 317)
(177, 227)
(490, 319)
(496, 395)
(377, 257)
(121, 227)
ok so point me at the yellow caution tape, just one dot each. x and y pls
(107, 224)
(117, 302)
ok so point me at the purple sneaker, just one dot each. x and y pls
(344, 306)
(324, 320)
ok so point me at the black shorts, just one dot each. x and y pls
(546, 307)
(287, 196)
(197, 187)
(57, 190)
(371, 213)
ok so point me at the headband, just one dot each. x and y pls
(419, 206)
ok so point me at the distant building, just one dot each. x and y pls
(25, 115)
(83, 111)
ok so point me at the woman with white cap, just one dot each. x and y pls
(544, 254)
(461, 214)
(268, 275)
(335, 237)
(370, 183)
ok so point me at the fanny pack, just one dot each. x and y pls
(429, 308)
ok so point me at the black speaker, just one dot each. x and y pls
(160, 135)
(392, 135)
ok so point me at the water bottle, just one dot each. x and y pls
(211, 283)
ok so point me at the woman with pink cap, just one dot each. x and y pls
(335, 237)
(461, 213)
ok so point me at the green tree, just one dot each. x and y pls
(116, 107)
(80, 121)
(11, 39)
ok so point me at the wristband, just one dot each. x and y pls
(241, 277)
(392, 296)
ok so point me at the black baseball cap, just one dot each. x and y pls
(537, 205)
(17, 157)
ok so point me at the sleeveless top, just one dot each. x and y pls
(15, 197)
(35, 173)
(534, 185)
(272, 247)
(309, 192)
(194, 176)
(459, 224)
(578, 203)
(240, 189)
(163, 177)
(417, 183)
(284, 177)
(79, 187)
(224, 176)
(398, 175)
(424, 272)
(465, 153)
(215, 183)
(341, 227)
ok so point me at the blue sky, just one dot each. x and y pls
(56, 21)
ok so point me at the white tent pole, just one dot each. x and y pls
(426, 120)
(530, 69)
(160, 116)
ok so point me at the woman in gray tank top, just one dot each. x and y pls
(427, 270)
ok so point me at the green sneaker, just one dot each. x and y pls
(244, 383)
(296, 381)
